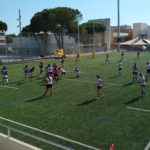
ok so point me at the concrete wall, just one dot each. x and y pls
(9, 143)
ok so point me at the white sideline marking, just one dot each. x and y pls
(10, 87)
(52, 134)
(144, 110)
(147, 146)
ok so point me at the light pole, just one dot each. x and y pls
(118, 35)
(93, 35)
(19, 19)
(78, 35)
(78, 19)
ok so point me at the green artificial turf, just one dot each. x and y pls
(73, 111)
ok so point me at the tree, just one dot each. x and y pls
(57, 21)
(3, 26)
(86, 31)
(9, 38)
(88, 27)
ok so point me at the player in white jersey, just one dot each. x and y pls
(49, 69)
(99, 86)
(49, 83)
(142, 84)
(61, 72)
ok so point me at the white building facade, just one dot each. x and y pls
(141, 30)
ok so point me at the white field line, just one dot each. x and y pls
(147, 146)
(138, 109)
(144, 110)
(51, 134)
(10, 87)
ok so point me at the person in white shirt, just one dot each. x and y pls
(61, 72)
(49, 69)
(142, 84)
(99, 86)
(49, 84)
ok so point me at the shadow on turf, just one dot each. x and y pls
(87, 102)
(113, 77)
(19, 82)
(73, 78)
(32, 99)
(128, 84)
(40, 78)
(134, 100)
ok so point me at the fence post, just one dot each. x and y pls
(8, 132)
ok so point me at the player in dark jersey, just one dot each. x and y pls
(4, 73)
(25, 71)
(135, 69)
(41, 67)
(30, 73)
(99, 86)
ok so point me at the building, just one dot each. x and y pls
(106, 39)
(126, 33)
(140, 30)
(2, 38)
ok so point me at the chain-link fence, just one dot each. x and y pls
(30, 45)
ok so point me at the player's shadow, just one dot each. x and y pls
(73, 77)
(134, 100)
(87, 102)
(19, 82)
(34, 99)
(40, 78)
(113, 77)
(128, 84)
(42, 84)
(35, 76)
(40, 81)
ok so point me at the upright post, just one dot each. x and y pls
(118, 35)
(78, 36)
(20, 34)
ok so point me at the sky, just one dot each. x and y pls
(131, 11)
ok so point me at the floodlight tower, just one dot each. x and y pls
(93, 35)
(20, 34)
(78, 19)
(118, 35)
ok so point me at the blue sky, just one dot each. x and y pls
(131, 11)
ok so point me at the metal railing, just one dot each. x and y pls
(9, 129)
